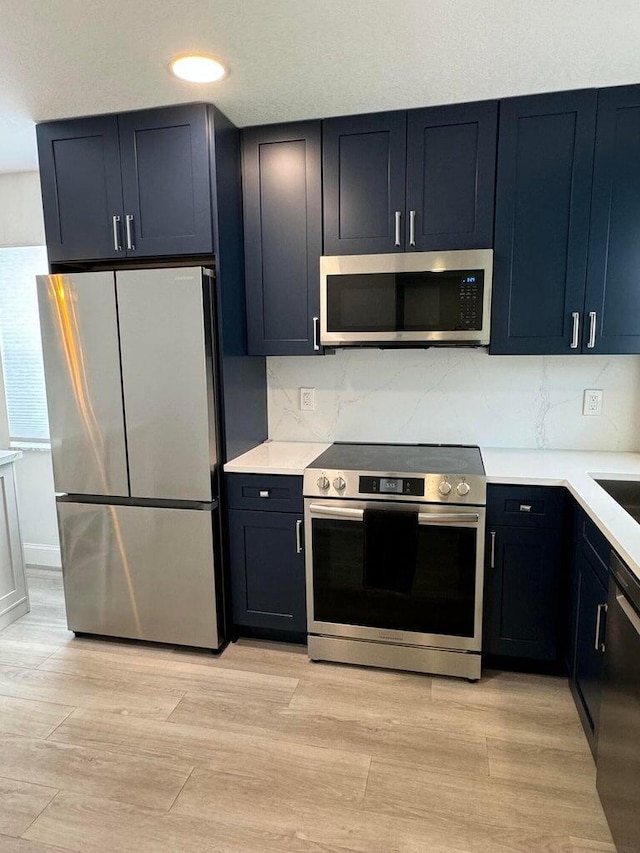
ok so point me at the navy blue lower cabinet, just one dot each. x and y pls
(588, 624)
(523, 592)
(266, 552)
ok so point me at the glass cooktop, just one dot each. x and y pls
(404, 458)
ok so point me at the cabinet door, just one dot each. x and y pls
(545, 158)
(267, 570)
(588, 653)
(364, 183)
(522, 592)
(81, 188)
(281, 179)
(165, 181)
(613, 280)
(451, 163)
(14, 599)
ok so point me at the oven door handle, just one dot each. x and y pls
(447, 517)
(348, 513)
(352, 514)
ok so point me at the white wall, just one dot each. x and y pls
(21, 221)
(21, 224)
(461, 396)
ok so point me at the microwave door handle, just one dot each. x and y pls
(346, 513)
(447, 517)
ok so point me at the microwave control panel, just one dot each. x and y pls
(470, 295)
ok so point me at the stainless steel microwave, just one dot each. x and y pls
(406, 299)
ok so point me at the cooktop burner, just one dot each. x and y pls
(403, 458)
(433, 473)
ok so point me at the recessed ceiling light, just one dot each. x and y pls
(198, 69)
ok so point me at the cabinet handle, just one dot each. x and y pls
(398, 216)
(592, 330)
(129, 224)
(316, 327)
(599, 647)
(575, 335)
(412, 227)
(493, 549)
(264, 493)
(299, 536)
(525, 507)
(117, 245)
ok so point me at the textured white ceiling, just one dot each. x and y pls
(295, 59)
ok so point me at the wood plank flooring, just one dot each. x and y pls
(125, 748)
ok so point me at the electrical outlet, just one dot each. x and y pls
(307, 399)
(592, 404)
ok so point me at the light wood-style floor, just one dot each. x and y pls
(118, 747)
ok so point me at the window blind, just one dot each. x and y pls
(20, 342)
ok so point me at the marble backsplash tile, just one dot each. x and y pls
(459, 396)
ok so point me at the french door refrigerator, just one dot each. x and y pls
(129, 372)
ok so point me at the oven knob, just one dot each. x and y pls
(323, 482)
(445, 487)
(463, 488)
(339, 484)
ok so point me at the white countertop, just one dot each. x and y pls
(574, 469)
(277, 457)
(7, 456)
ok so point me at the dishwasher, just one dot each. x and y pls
(618, 756)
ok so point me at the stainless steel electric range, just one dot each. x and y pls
(394, 557)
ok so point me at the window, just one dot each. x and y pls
(20, 342)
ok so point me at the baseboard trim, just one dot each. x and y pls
(42, 555)
(18, 609)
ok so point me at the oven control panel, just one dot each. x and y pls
(378, 485)
(411, 486)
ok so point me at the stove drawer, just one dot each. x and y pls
(275, 492)
(526, 506)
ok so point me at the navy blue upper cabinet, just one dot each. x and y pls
(165, 181)
(545, 161)
(418, 180)
(130, 185)
(81, 188)
(364, 183)
(281, 169)
(451, 163)
(612, 304)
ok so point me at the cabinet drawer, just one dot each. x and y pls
(526, 506)
(595, 545)
(276, 492)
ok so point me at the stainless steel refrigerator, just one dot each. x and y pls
(129, 372)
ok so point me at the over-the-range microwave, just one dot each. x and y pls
(406, 299)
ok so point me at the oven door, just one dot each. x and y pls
(437, 602)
